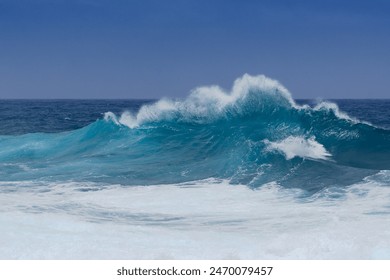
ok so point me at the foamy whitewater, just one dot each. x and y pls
(245, 174)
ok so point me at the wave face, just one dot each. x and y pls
(252, 135)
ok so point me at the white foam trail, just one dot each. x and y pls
(298, 146)
(329, 106)
(207, 219)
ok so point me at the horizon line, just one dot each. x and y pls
(152, 99)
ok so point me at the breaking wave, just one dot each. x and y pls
(253, 135)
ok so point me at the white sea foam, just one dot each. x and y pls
(298, 146)
(199, 220)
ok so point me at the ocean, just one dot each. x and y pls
(249, 173)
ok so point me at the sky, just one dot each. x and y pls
(153, 48)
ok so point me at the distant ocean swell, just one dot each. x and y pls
(253, 135)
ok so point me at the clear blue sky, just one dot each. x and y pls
(154, 48)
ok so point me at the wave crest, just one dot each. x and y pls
(204, 104)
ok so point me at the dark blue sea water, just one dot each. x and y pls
(50, 116)
(244, 165)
